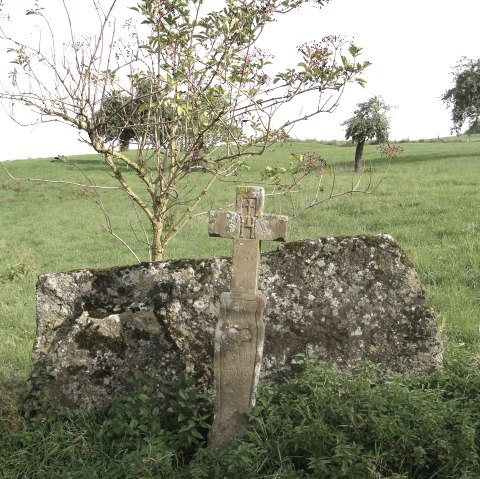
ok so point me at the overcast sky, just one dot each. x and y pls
(412, 44)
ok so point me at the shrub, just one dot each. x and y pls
(324, 424)
(319, 424)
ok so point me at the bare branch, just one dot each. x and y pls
(59, 182)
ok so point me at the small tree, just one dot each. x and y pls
(369, 121)
(188, 85)
(464, 96)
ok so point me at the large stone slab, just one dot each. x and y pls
(342, 299)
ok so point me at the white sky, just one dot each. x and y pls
(412, 45)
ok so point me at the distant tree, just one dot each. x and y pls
(473, 129)
(464, 96)
(111, 123)
(369, 121)
(124, 117)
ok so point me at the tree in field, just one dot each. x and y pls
(369, 122)
(187, 84)
(473, 129)
(464, 96)
(112, 120)
(124, 118)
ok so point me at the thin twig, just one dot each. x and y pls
(110, 231)
(61, 182)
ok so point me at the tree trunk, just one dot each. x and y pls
(159, 240)
(358, 155)
(157, 247)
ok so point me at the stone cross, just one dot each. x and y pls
(240, 331)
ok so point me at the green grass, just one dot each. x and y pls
(318, 424)
(428, 202)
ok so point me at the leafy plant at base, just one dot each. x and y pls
(358, 425)
(179, 420)
(320, 423)
(190, 414)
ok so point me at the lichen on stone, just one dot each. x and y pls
(344, 299)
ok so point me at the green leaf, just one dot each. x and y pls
(196, 434)
(181, 417)
(354, 50)
(361, 82)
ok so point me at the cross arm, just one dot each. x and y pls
(271, 227)
(225, 224)
(267, 227)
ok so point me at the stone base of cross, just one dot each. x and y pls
(240, 331)
(239, 338)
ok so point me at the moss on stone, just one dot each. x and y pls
(140, 334)
(75, 369)
(92, 340)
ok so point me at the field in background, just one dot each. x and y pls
(429, 202)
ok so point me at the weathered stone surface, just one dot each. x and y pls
(240, 331)
(342, 299)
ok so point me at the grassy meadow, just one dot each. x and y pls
(428, 201)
